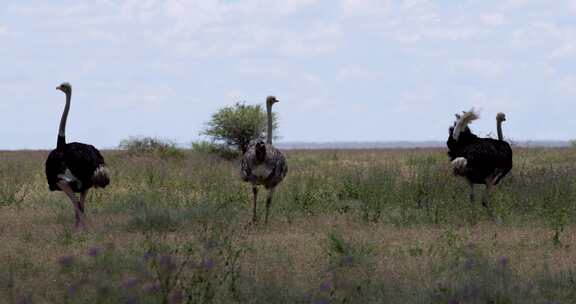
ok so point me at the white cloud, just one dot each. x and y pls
(493, 19)
(320, 39)
(567, 85)
(515, 4)
(558, 40)
(571, 4)
(235, 95)
(143, 99)
(432, 33)
(414, 3)
(292, 6)
(356, 72)
(207, 28)
(484, 67)
(363, 8)
(450, 33)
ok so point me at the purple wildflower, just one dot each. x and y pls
(326, 285)
(469, 264)
(131, 300)
(347, 260)
(93, 252)
(530, 286)
(167, 263)
(453, 301)
(66, 260)
(471, 292)
(72, 289)
(130, 282)
(503, 261)
(149, 255)
(207, 264)
(24, 300)
(210, 244)
(152, 287)
(177, 297)
(321, 301)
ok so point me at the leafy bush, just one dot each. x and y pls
(150, 146)
(237, 125)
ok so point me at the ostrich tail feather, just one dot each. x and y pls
(459, 166)
(463, 122)
(101, 177)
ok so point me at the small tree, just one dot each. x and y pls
(237, 125)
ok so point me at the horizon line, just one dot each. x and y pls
(357, 145)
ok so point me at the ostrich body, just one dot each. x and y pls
(264, 165)
(74, 167)
(479, 160)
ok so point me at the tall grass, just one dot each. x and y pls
(346, 227)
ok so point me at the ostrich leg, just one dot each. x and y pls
(268, 203)
(255, 203)
(471, 193)
(78, 212)
(83, 200)
(486, 197)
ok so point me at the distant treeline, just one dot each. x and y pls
(409, 144)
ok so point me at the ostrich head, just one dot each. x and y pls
(500, 117)
(451, 129)
(271, 100)
(65, 87)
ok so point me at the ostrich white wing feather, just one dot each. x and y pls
(68, 177)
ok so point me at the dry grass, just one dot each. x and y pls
(346, 226)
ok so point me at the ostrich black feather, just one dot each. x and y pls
(486, 159)
(78, 164)
(263, 164)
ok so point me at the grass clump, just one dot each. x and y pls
(220, 150)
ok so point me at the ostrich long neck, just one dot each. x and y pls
(62, 130)
(499, 129)
(269, 113)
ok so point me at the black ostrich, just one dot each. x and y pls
(262, 164)
(480, 160)
(74, 167)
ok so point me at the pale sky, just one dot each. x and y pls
(343, 70)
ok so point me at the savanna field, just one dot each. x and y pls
(358, 226)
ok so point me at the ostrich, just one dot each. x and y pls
(262, 164)
(480, 160)
(74, 167)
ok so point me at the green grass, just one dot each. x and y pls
(367, 226)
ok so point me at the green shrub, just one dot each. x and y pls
(150, 146)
